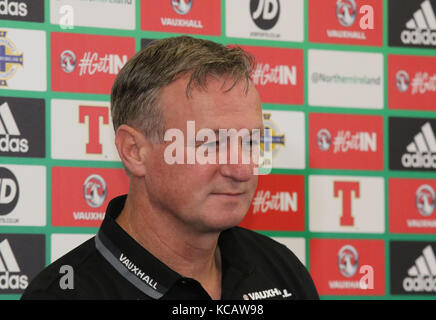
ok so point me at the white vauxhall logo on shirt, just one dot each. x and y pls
(137, 272)
(265, 294)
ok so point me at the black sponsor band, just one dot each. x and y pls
(130, 271)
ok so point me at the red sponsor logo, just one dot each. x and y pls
(412, 205)
(343, 190)
(278, 74)
(348, 267)
(89, 191)
(278, 204)
(93, 116)
(87, 63)
(357, 22)
(412, 82)
(182, 16)
(339, 141)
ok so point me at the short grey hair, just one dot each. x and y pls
(135, 93)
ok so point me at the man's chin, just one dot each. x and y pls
(221, 221)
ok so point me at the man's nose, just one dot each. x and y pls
(239, 165)
(239, 172)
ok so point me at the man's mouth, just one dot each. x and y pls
(228, 194)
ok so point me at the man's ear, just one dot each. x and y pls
(132, 148)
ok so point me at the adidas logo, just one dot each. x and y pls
(421, 153)
(421, 28)
(8, 264)
(422, 276)
(8, 128)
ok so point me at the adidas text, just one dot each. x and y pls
(418, 37)
(8, 281)
(418, 160)
(8, 144)
(420, 284)
(13, 8)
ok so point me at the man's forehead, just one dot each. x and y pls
(208, 84)
(219, 95)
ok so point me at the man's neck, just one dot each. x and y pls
(192, 255)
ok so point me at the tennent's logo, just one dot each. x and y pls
(10, 59)
(346, 204)
(95, 116)
(346, 191)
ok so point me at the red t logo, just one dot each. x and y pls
(93, 114)
(346, 187)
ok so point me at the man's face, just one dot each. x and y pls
(205, 197)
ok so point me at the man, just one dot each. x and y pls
(174, 236)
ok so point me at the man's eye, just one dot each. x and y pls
(251, 142)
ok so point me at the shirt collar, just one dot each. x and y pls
(145, 271)
(129, 258)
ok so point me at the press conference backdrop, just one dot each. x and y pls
(349, 94)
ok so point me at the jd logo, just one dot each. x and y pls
(9, 191)
(265, 13)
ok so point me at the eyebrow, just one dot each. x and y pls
(262, 130)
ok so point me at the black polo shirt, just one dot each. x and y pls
(112, 265)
